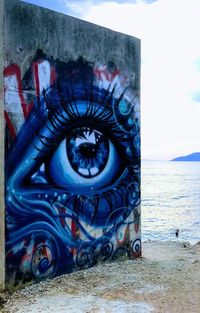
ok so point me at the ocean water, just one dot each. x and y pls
(171, 200)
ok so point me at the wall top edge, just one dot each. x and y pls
(63, 15)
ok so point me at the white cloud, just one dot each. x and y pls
(77, 8)
(169, 30)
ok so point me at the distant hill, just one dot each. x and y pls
(193, 157)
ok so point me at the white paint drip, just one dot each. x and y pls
(13, 102)
(88, 138)
(12, 98)
(44, 73)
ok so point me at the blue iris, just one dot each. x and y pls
(88, 151)
(85, 160)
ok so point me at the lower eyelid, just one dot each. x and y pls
(103, 207)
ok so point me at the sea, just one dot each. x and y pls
(170, 201)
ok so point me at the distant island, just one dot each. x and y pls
(193, 157)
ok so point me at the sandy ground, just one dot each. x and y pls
(166, 279)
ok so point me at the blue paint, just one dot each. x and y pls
(72, 177)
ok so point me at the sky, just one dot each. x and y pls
(170, 69)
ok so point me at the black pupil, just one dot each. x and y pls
(88, 150)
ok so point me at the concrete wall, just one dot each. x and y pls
(72, 144)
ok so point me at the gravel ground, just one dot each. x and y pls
(166, 279)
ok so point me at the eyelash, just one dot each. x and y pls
(102, 115)
(60, 123)
(98, 111)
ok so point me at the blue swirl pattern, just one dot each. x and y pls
(56, 221)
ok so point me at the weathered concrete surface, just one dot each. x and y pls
(30, 27)
(2, 223)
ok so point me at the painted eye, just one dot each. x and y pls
(86, 159)
(87, 151)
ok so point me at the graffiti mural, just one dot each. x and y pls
(72, 167)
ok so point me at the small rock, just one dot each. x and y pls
(195, 261)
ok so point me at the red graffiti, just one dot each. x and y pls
(10, 125)
(13, 70)
(136, 221)
(103, 73)
(43, 75)
(14, 98)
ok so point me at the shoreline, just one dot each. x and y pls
(165, 279)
